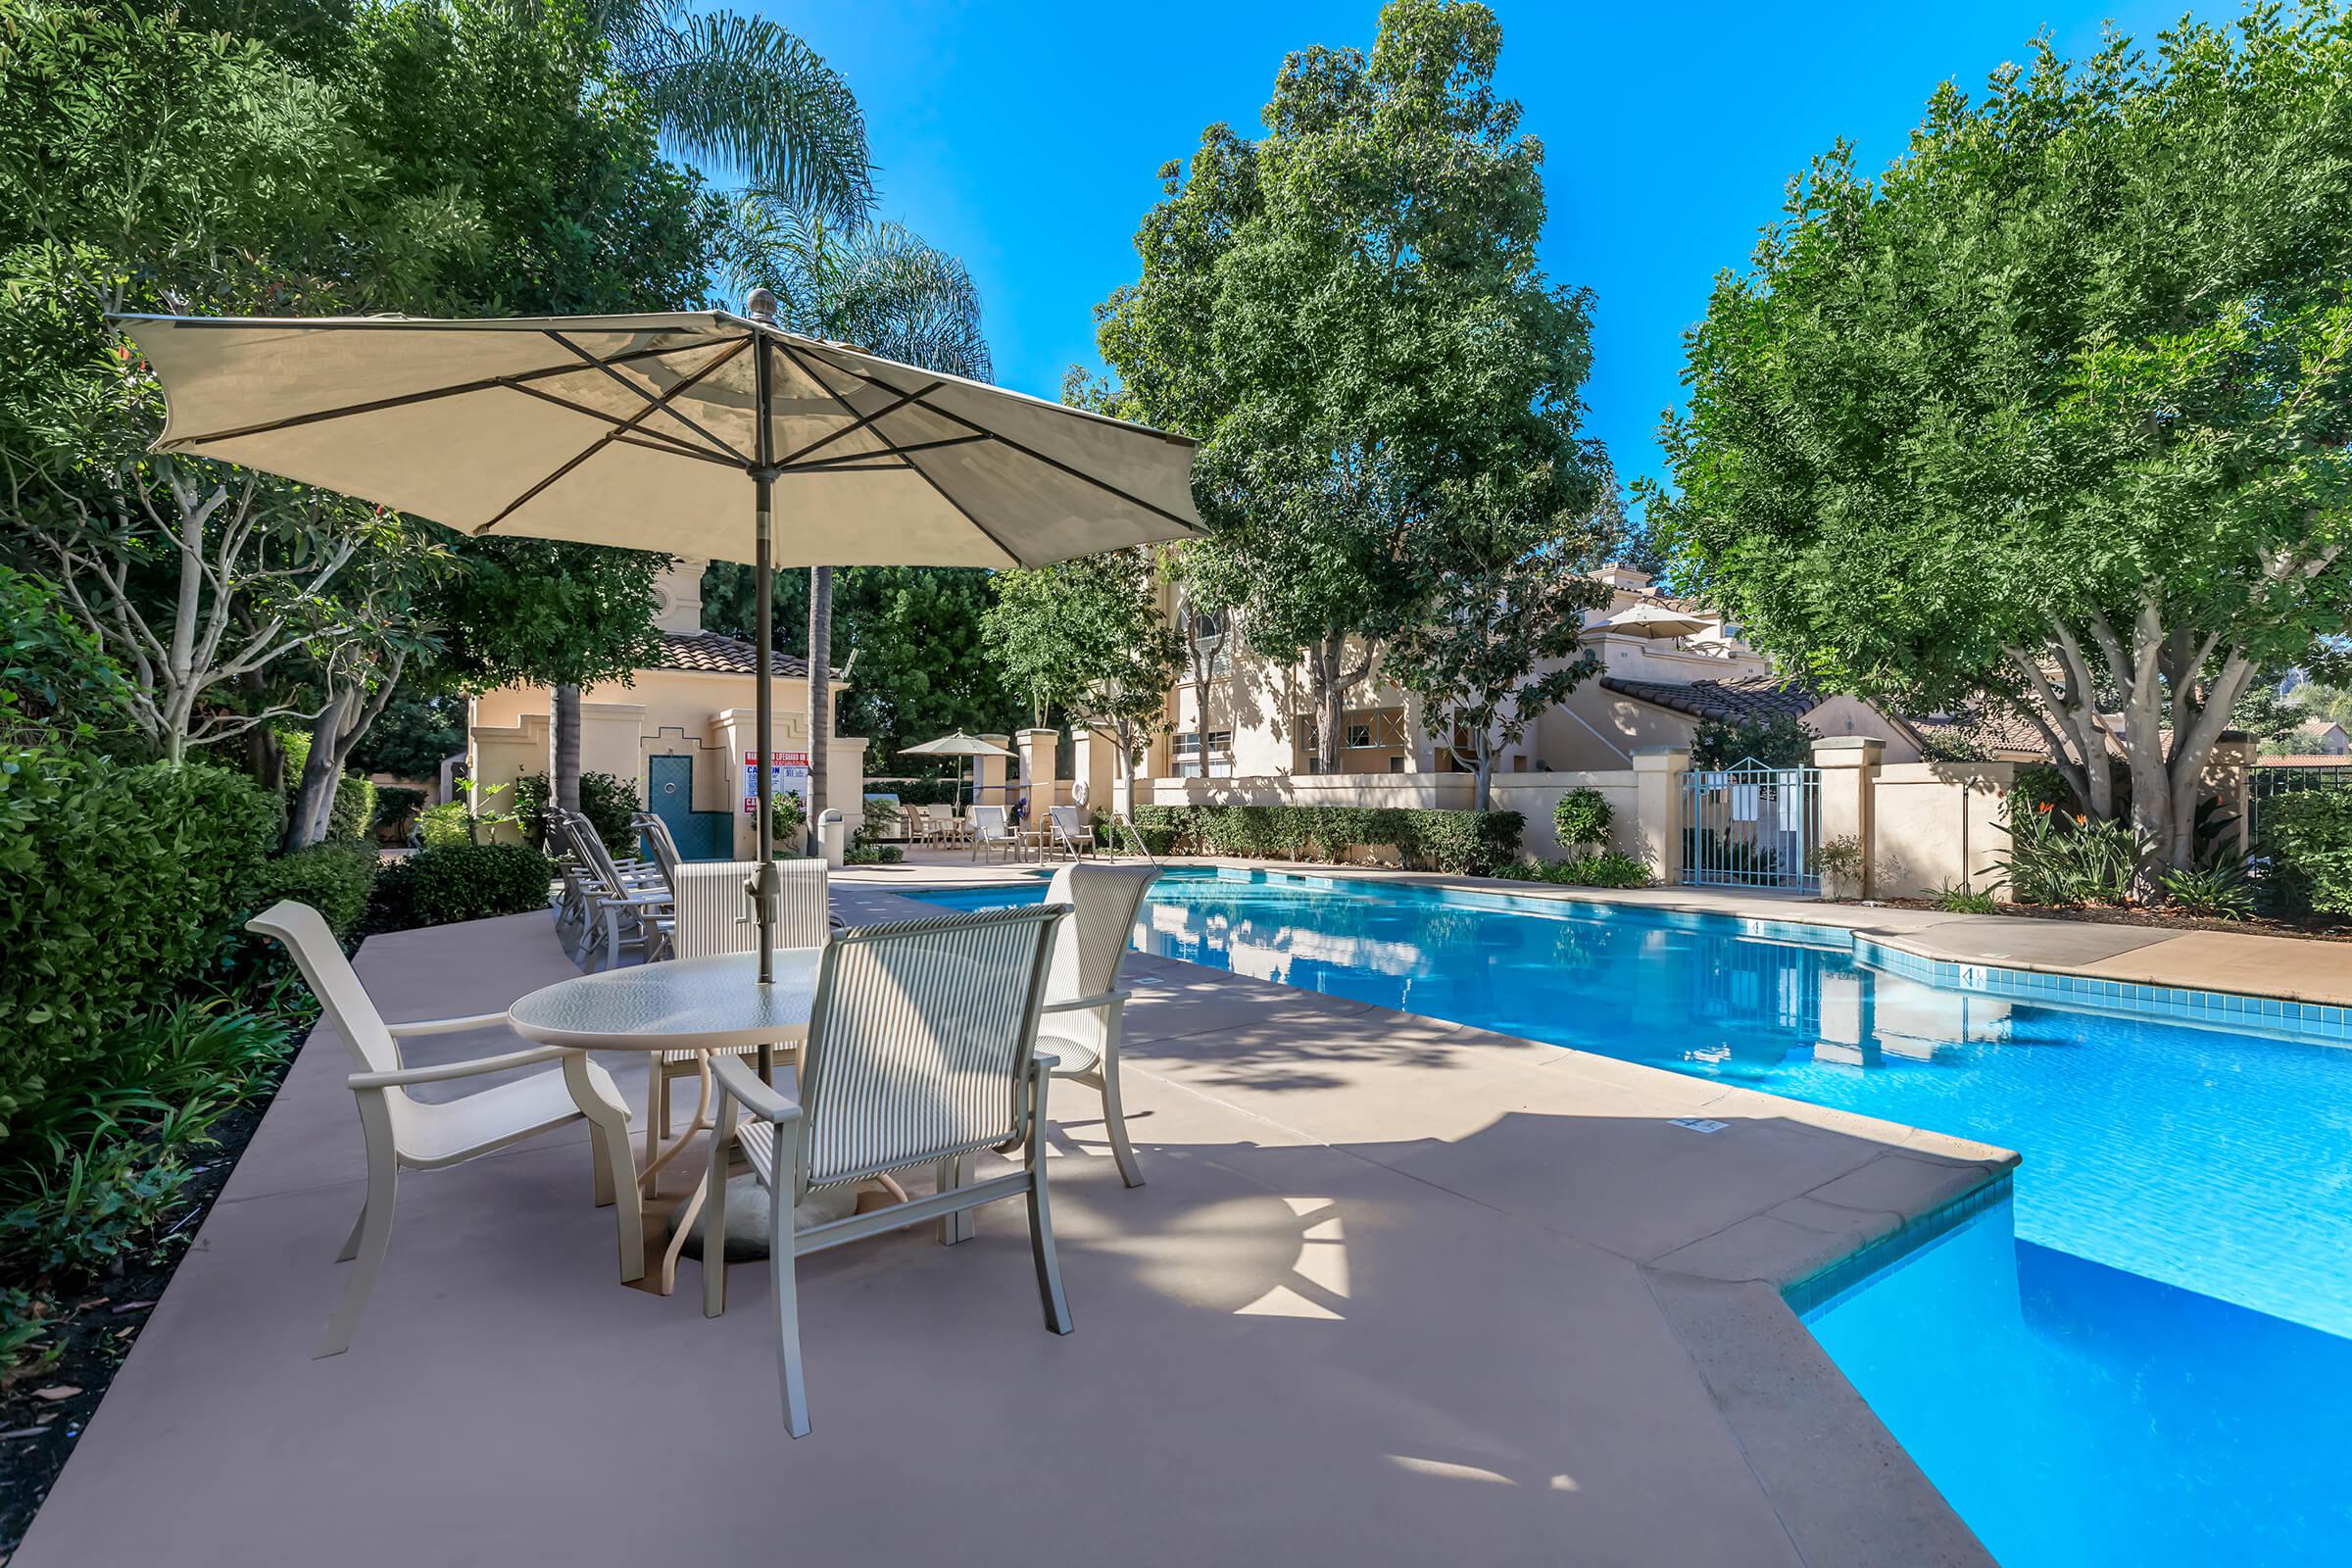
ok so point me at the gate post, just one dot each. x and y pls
(1849, 785)
(1659, 772)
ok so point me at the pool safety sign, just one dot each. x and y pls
(787, 770)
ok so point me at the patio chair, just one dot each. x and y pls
(1068, 835)
(626, 910)
(921, 1051)
(992, 829)
(664, 845)
(714, 916)
(405, 1133)
(1084, 1006)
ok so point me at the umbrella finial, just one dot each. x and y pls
(762, 305)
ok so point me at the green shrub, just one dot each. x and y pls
(335, 879)
(1781, 741)
(441, 826)
(606, 799)
(352, 817)
(2308, 835)
(459, 882)
(1607, 869)
(118, 885)
(1953, 900)
(2057, 857)
(1464, 843)
(1582, 817)
(396, 809)
(2218, 891)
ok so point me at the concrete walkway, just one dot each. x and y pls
(1397, 1291)
(2247, 962)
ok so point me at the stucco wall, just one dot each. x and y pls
(1938, 825)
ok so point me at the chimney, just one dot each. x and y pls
(678, 596)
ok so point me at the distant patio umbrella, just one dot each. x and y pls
(959, 745)
(1655, 620)
(670, 432)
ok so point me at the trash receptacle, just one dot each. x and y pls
(832, 837)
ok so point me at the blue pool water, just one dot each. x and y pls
(2149, 1362)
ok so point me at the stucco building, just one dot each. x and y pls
(681, 729)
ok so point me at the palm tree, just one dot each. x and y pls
(753, 101)
(882, 288)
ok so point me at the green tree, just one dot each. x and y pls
(2056, 410)
(1087, 638)
(1350, 314)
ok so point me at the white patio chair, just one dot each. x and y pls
(626, 910)
(404, 1132)
(714, 916)
(1069, 835)
(921, 1051)
(1083, 1007)
(993, 830)
(663, 843)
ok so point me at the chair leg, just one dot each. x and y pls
(714, 1214)
(351, 1242)
(616, 1172)
(956, 1225)
(373, 1236)
(1114, 1121)
(657, 1109)
(1041, 1216)
(788, 1308)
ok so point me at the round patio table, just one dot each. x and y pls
(704, 1004)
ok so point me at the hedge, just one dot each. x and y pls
(117, 884)
(606, 800)
(459, 882)
(396, 809)
(2308, 837)
(1463, 842)
(335, 879)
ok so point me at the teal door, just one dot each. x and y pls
(669, 787)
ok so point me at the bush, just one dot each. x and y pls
(2217, 892)
(1606, 869)
(335, 879)
(459, 882)
(353, 816)
(118, 885)
(2056, 857)
(1954, 899)
(606, 799)
(2308, 835)
(1582, 817)
(439, 828)
(1781, 741)
(1463, 842)
(396, 809)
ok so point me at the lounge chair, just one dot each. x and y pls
(1066, 834)
(1084, 1006)
(921, 1051)
(428, 1135)
(627, 908)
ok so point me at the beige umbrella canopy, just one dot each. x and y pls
(1655, 620)
(957, 745)
(705, 434)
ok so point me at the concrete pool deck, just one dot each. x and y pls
(1398, 1291)
(2245, 963)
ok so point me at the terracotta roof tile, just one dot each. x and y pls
(1739, 700)
(710, 653)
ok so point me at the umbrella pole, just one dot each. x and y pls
(768, 897)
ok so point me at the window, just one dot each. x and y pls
(1359, 735)
(1396, 765)
(1211, 647)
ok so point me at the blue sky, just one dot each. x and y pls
(1027, 137)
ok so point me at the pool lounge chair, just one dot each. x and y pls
(993, 830)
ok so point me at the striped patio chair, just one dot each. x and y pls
(921, 1051)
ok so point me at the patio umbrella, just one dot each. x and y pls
(959, 745)
(1655, 620)
(678, 432)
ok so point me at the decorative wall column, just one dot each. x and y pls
(990, 774)
(1095, 770)
(2229, 774)
(1037, 770)
(1658, 775)
(1850, 788)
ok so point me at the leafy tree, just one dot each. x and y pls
(885, 290)
(1087, 637)
(2055, 412)
(1350, 314)
(417, 731)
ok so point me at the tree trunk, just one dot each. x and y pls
(1485, 798)
(322, 771)
(1330, 702)
(820, 689)
(564, 768)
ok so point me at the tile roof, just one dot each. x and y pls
(710, 653)
(2001, 733)
(1741, 700)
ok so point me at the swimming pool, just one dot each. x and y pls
(2183, 1218)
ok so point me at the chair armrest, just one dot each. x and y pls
(740, 1078)
(1107, 998)
(446, 1026)
(455, 1069)
(646, 898)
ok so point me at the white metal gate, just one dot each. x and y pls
(1752, 826)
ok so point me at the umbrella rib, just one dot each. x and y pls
(661, 403)
(852, 428)
(653, 438)
(923, 474)
(1024, 450)
(403, 400)
(838, 464)
(624, 428)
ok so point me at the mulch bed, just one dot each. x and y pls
(43, 1412)
(2313, 928)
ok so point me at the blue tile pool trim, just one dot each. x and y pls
(1824, 1289)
